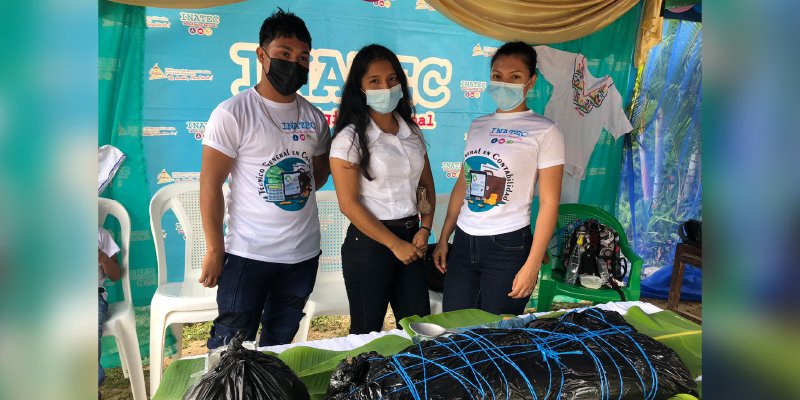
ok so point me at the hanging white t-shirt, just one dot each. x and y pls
(581, 105)
(396, 163)
(107, 245)
(502, 157)
(272, 211)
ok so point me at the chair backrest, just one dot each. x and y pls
(568, 213)
(329, 295)
(333, 228)
(106, 207)
(183, 198)
(442, 201)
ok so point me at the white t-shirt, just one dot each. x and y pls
(396, 163)
(272, 211)
(107, 245)
(581, 105)
(502, 157)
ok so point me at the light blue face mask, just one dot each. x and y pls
(384, 101)
(507, 95)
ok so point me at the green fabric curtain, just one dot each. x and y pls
(120, 78)
(609, 52)
(120, 82)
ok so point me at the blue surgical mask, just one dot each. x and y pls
(507, 95)
(384, 101)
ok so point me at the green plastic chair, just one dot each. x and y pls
(552, 274)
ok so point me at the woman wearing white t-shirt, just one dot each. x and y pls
(378, 159)
(494, 261)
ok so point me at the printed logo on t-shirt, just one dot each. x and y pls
(489, 180)
(286, 180)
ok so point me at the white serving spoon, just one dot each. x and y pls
(428, 330)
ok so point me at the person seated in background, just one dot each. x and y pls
(107, 268)
(378, 160)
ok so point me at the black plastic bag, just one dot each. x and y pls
(434, 277)
(593, 354)
(244, 374)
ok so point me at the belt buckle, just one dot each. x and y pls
(410, 224)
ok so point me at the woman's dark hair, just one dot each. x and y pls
(353, 108)
(283, 24)
(521, 49)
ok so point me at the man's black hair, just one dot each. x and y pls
(283, 24)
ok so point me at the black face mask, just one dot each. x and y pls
(285, 76)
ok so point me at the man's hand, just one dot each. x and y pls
(212, 269)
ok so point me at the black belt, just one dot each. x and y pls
(408, 222)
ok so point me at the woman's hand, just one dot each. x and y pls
(524, 282)
(406, 252)
(440, 256)
(421, 240)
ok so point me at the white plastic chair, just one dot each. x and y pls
(176, 303)
(440, 213)
(121, 320)
(329, 296)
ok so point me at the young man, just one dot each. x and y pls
(274, 146)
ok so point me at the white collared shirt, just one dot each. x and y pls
(396, 163)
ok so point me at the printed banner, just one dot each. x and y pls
(195, 59)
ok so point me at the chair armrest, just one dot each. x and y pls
(547, 269)
(635, 265)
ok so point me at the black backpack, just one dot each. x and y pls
(594, 248)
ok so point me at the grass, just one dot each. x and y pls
(195, 332)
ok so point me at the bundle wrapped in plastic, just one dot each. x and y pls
(593, 354)
(248, 374)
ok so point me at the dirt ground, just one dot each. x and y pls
(117, 387)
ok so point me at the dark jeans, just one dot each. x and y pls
(481, 271)
(375, 278)
(102, 310)
(252, 292)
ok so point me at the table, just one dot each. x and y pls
(683, 336)
(684, 254)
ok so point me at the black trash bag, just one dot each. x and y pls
(244, 374)
(594, 354)
(434, 277)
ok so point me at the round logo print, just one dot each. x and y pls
(287, 184)
(486, 183)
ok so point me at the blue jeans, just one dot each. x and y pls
(102, 309)
(481, 271)
(255, 292)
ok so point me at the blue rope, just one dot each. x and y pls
(543, 344)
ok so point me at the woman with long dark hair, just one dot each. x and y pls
(378, 161)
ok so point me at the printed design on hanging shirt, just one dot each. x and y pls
(489, 181)
(584, 101)
(286, 180)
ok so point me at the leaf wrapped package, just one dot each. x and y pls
(248, 374)
(593, 354)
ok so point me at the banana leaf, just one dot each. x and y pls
(315, 366)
